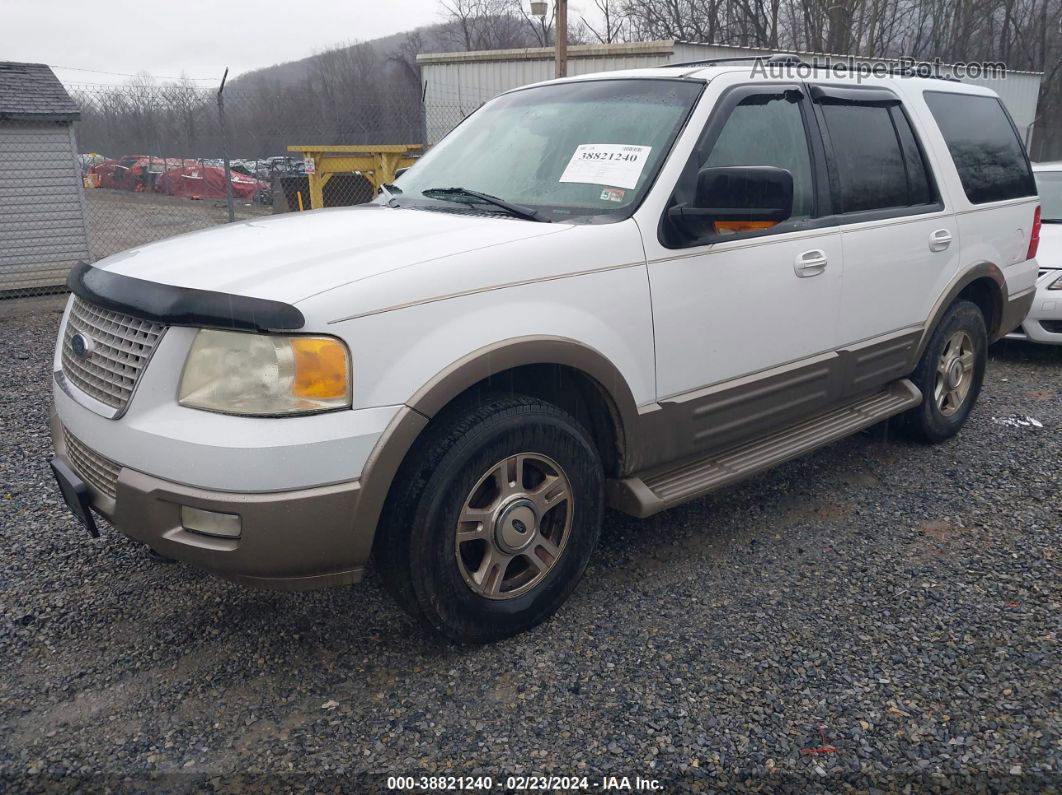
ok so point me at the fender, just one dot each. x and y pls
(386, 457)
(961, 282)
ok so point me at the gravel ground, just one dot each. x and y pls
(875, 615)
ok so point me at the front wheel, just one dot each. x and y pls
(493, 519)
(949, 374)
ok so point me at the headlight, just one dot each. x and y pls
(264, 374)
(1056, 284)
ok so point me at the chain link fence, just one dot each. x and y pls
(145, 162)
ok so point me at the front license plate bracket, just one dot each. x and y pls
(75, 493)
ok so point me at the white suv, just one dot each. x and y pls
(625, 290)
(1044, 322)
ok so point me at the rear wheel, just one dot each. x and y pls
(949, 374)
(493, 518)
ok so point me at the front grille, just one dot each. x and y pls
(119, 348)
(1053, 326)
(97, 470)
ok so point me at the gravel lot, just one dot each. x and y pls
(876, 615)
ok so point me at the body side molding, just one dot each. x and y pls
(734, 411)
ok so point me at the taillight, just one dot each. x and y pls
(1034, 241)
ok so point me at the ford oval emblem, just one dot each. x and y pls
(81, 346)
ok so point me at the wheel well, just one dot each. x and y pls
(572, 390)
(985, 294)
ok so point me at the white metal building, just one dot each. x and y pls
(457, 83)
(42, 212)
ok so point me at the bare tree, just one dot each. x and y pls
(610, 28)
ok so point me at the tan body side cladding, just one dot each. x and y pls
(655, 490)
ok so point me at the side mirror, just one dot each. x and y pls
(733, 199)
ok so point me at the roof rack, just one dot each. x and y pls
(777, 58)
(788, 59)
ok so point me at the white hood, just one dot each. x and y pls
(291, 257)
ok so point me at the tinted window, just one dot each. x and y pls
(919, 187)
(768, 130)
(868, 162)
(984, 146)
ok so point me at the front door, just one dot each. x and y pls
(746, 324)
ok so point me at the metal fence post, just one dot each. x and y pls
(225, 148)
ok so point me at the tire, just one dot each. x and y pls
(480, 467)
(944, 408)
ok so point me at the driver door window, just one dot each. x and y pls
(768, 130)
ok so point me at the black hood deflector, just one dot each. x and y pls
(181, 306)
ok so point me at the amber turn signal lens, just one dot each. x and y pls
(321, 368)
(742, 226)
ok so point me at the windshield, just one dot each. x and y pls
(582, 151)
(1049, 186)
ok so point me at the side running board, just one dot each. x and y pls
(654, 490)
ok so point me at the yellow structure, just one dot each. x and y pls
(378, 163)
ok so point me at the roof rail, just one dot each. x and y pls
(777, 58)
(788, 59)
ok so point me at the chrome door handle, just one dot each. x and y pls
(810, 263)
(939, 240)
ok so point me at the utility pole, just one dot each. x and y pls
(225, 147)
(561, 37)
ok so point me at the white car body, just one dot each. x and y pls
(416, 295)
(1043, 324)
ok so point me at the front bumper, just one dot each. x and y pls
(290, 540)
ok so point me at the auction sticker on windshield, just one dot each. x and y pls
(607, 164)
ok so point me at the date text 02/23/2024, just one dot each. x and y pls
(523, 783)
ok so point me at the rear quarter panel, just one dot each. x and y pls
(996, 232)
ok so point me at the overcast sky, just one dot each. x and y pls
(197, 37)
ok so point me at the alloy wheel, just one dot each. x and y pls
(514, 526)
(955, 371)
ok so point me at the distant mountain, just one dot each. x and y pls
(394, 50)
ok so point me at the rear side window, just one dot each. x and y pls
(877, 164)
(984, 146)
(869, 163)
(919, 186)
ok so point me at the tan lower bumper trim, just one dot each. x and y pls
(289, 540)
(292, 540)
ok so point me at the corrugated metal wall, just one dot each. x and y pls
(458, 83)
(42, 218)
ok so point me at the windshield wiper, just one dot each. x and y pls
(513, 209)
(389, 191)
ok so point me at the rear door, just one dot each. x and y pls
(900, 241)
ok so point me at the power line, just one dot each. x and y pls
(124, 74)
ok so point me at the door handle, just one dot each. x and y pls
(810, 263)
(939, 240)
